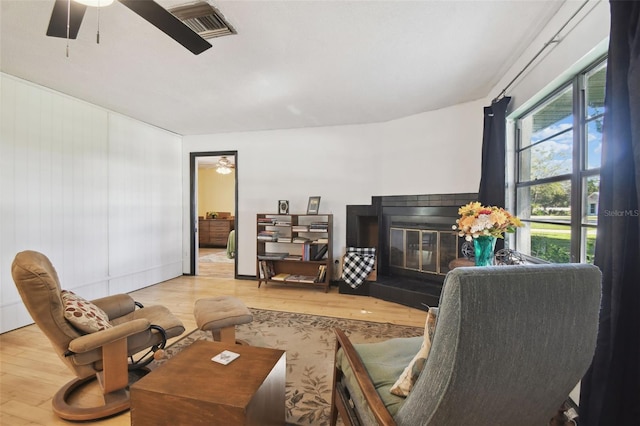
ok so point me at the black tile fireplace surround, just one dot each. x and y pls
(370, 226)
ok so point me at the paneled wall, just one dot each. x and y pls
(98, 193)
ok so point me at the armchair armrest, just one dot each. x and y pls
(89, 342)
(369, 392)
(116, 306)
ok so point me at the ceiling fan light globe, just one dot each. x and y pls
(223, 170)
(95, 3)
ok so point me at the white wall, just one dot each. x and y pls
(435, 152)
(96, 192)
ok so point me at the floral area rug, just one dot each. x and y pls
(309, 343)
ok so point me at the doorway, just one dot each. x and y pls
(213, 213)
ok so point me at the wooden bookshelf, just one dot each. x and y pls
(294, 249)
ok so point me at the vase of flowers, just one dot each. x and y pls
(483, 225)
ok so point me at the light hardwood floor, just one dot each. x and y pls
(30, 373)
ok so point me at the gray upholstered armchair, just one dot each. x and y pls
(510, 344)
(109, 352)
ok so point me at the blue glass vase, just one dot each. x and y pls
(484, 247)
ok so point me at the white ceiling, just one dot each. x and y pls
(292, 64)
(211, 161)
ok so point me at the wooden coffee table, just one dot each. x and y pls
(190, 389)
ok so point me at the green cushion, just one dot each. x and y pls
(384, 362)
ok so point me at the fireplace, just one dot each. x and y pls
(414, 242)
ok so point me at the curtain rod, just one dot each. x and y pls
(552, 40)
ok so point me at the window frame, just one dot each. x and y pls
(578, 199)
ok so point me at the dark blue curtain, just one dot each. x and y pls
(492, 177)
(610, 391)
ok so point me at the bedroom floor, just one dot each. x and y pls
(214, 269)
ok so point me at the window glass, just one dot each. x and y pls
(594, 143)
(546, 202)
(554, 117)
(591, 196)
(589, 246)
(551, 242)
(596, 81)
(552, 157)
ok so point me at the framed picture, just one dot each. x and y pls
(314, 205)
(283, 206)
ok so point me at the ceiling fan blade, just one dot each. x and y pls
(58, 21)
(169, 24)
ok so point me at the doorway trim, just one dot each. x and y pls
(193, 213)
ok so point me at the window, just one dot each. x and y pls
(558, 149)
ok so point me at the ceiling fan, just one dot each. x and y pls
(71, 12)
(224, 166)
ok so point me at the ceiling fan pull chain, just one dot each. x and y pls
(68, 23)
(98, 31)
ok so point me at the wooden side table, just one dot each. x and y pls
(191, 389)
(456, 263)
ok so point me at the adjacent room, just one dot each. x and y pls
(215, 201)
(347, 212)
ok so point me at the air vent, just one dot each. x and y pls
(204, 19)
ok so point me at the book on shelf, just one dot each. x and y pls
(293, 257)
(298, 240)
(296, 278)
(268, 235)
(300, 228)
(309, 251)
(322, 272)
(266, 269)
(272, 256)
(282, 222)
(284, 239)
(280, 277)
(321, 251)
(322, 241)
(319, 227)
(266, 221)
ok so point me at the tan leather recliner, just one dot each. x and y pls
(102, 354)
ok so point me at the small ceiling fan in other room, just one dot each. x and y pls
(71, 12)
(224, 166)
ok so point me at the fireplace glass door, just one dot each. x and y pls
(428, 251)
(396, 248)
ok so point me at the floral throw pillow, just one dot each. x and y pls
(84, 315)
(408, 378)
